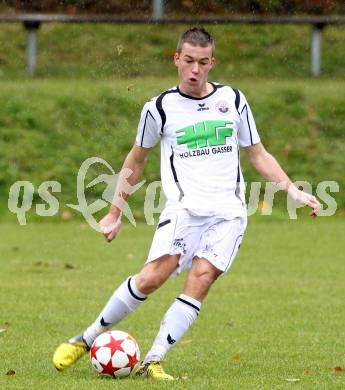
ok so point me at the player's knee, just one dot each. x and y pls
(200, 281)
(147, 283)
(206, 278)
(198, 284)
(155, 273)
(205, 273)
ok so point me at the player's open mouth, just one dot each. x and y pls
(193, 80)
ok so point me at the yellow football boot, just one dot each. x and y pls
(155, 371)
(68, 353)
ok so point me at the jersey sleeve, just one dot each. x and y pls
(248, 134)
(148, 132)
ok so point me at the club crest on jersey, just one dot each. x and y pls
(223, 107)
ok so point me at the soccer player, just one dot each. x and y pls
(201, 126)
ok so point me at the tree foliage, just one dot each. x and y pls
(189, 7)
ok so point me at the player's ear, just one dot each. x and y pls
(176, 58)
(213, 62)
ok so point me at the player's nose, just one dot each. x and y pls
(195, 68)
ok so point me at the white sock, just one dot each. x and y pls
(124, 300)
(174, 325)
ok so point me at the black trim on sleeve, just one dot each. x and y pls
(237, 98)
(163, 223)
(250, 130)
(132, 293)
(159, 106)
(189, 304)
(144, 128)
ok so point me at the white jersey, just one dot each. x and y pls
(200, 140)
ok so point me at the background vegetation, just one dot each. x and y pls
(93, 80)
(193, 7)
(48, 128)
(281, 319)
(120, 51)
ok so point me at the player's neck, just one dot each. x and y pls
(205, 90)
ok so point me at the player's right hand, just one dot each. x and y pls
(110, 226)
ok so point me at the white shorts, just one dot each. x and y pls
(213, 238)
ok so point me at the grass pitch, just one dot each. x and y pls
(275, 321)
(49, 127)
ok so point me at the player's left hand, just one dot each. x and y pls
(307, 199)
(110, 226)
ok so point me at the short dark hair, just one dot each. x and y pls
(196, 36)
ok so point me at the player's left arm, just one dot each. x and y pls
(269, 168)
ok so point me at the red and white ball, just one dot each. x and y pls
(115, 353)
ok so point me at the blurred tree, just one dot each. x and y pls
(185, 7)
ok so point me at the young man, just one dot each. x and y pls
(200, 126)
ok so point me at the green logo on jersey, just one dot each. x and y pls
(203, 134)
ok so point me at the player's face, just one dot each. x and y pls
(193, 65)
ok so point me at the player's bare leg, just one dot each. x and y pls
(180, 316)
(155, 273)
(128, 297)
(200, 279)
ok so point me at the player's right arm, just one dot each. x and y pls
(148, 135)
(135, 162)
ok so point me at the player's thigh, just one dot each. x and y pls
(221, 242)
(156, 272)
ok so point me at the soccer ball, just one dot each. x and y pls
(114, 353)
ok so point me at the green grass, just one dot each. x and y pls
(98, 51)
(280, 308)
(49, 127)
